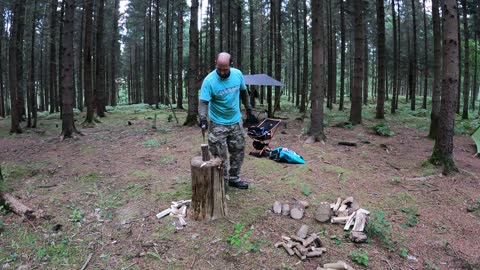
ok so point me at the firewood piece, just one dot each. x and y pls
(303, 231)
(297, 211)
(348, 201)
(299, 255)
(304, 203)
(19, 208)
(285, 209)
(337, 204)
(310, 239)
(323, 212)
(343, 208)
(360, 221)
(279, 244)
(164, 213)
(291, 244)
(297, 239)
(316, 253)
(301, 248)
(205, 153)
(339, 220)
(337, 265)
(289, 250)
(277, 207)
(343, 213)
(347, 143)
(358, 237)
(208, 191)
(350, 221)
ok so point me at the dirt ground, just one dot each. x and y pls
(103, 190)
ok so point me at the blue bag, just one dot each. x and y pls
(282, 154)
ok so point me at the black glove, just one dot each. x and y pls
(251, 117)
(203, 124)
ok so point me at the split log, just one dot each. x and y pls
(337, 204)
(288, 249)
(298, 239)
(348, 201)
(208, 190)
(360, 221)
(316, 253)
(338, 265)
(299, 255)
(277, 207)
(350, 221)
(304, 203)
(164, 213)
(339, 220)
(205, 153)
(297, 211)
(353, 207)
(285, 209)
(323, 212)
(19, 208)
(303, 231)
(313, 237)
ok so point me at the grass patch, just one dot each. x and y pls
(382, 129)
(142, 174)
(91, 177)
(153, 143)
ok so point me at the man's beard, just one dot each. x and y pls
(224, 76)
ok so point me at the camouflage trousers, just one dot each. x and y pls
(228, 143)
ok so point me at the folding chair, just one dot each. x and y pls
(262, 134)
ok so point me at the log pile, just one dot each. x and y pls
(295, 210)
(177, 210)
(349, 214)
(302, 246)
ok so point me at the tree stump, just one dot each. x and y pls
(208, 189)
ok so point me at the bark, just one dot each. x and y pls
(443, 148)
(466, 62)
(15, 61)
(2, 89)
(356, 109)
(211, 16)
(68, 124)
(20, 104)
(316, 128)
(381, 58)
(252, 47)
(168, 30)
(87, 63)
(193, 64)
(269, 55)
(80, 80)
(437, 76)
(475, 74)
(156, 72)
(100, 62)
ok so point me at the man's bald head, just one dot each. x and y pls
(223, 64)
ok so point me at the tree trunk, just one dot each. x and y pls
(80, 80)
(181, 6)
(303, 102)
(168, 27)
(342, 55)
(365, 57)
(269, 55)
(356, 109)
(425, 68)
(211, 16)
(437, 76)
(193, 64)
(156, 72)
(20, 104)
(278, 52)
(381, 58)
(443, 148)
(87, 63)
(115, 54)
(100, 61)
(2, 89)
(475, 74)
(32, 95)
(252, 48)
(413, 89)
(208, 192)
(68, 125)
(466, 61)
(316, 128)
(15, 61)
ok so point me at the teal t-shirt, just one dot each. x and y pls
(223, 96)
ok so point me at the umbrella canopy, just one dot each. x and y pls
(261, 79)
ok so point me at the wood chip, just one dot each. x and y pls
(277, 207)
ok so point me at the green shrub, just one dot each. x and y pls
(382, 129)
(360, 257)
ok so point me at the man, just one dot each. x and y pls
(219, 95)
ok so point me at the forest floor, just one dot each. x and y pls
(103, 190)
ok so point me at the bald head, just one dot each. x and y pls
(223, 64)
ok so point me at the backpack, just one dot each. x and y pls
(282, 154)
